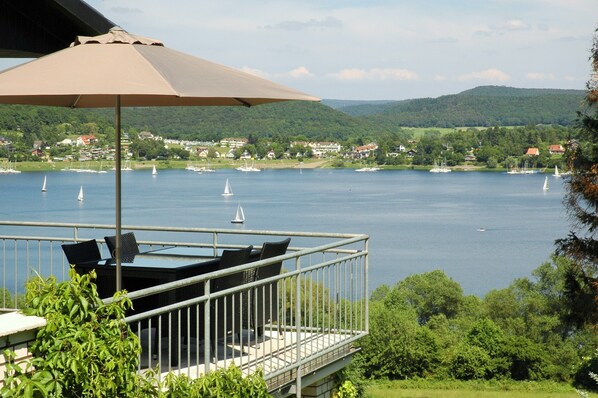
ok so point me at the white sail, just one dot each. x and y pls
(80, 196)
(545, 187)
(556, 171)
(239, 216)
(154, 171)
(101, 170)
(44, 185)
(246, 168)
(228, 191)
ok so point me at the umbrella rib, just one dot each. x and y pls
(243, 102)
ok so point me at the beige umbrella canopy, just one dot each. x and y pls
(118, 69)
(91, 72)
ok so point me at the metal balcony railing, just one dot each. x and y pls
(287, 325)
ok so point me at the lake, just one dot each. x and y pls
(417, 221)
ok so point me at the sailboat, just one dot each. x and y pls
(127, 166)
(100, 170)
(246, 168)
(556, 171)
(228, 191)
(44, 185)
(80, 196)
(239, 216)
(545, 187)
(154, 171)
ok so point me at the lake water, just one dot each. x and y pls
(417, 221)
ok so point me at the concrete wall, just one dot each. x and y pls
(17, 332)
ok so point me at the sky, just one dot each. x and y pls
(378, 49)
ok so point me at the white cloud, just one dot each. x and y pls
(324, 23)
(570, 78)
(439, 78)
(375, 74)
(300, 72)
(255, 72)
(515, 24)
(494, 75)
(539, 76)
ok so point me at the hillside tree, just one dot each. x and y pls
(581, 201)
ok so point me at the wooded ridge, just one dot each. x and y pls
(481, 106)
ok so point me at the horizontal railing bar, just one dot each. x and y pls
(216, 295)
(180, 229)
(296, 364)
(217, 274)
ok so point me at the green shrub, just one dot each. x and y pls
(87, 350)
(528, 359)
(221, 383)
(585, 377)
(469, 362)
(347, 390)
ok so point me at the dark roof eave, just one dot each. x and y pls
(30, 29)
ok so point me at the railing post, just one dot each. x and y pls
(367, 296)
(75, 233)
(215, 243)
(298, 325)
(206, 328)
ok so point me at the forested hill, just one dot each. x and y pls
(481, 106)
(310, 120)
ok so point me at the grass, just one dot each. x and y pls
(419, 132)
(169, 164)
(461, 389)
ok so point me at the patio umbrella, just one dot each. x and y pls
(119, 69)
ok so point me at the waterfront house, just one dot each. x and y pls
(233, 143)
(37, 152)
(532, 152)
(84, 140)
(66, 142)
(145, 135)
(556, 149)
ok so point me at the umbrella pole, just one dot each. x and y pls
(117, 173)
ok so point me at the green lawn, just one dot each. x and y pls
(430, 389)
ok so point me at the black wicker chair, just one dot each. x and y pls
(265, 302)
(128, 245)
(82, 252)
(225, 312)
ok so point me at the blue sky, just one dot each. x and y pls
(378, 49)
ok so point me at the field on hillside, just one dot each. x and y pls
(459, 389)
(420, 131)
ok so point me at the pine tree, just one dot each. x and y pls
(581, 201)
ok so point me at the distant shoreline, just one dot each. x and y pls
(230, 164)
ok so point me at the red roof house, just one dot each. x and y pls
(532, 152)
(556, 149)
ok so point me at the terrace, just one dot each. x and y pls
(316, 311)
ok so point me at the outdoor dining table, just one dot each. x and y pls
(152, 268)
(156, 267)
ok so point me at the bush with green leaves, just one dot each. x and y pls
(222, 383)
(469, 362)
(87, 350)
(397, 346)
(347, 390)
